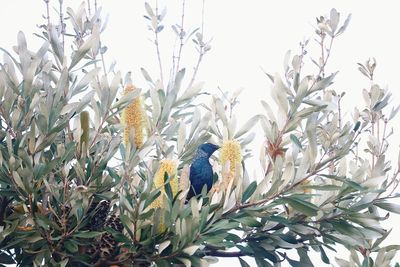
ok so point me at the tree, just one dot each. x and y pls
(94, 171)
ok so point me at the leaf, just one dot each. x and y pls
(345, 24)
(17, 179)
(126, 99)
(56, 44)
(298, 263)
(296, 141)
(278, 93)
(85, 47)
(334, 19)
(247, 126)
(71, 246)
(191, 250)
(392, 207)
(191, 92)
(270, 114)
(163, 246)
(181, 137)
(322, 84)
(302, 206)
(243, 263)
(324, 256)
(87, 234)
(149, 10)
(156, 106)
(146, 75)
(86, 79)
(249, 221)
(150, 199)
(249, 191)
(6, 258)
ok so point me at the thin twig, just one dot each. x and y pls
(201, 52)
(89, 7)
(62, 24)
(181, 35)
(48, 13)
(156, 42)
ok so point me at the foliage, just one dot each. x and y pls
(74, 193)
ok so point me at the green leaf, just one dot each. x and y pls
(154, 194)
(6, 258)
(324, 257)
(71, 246)
(87, 234)
(249, 191)
(302, 206)
(298, 263)
(392, 207)
(167, 186)
(262, 263)
(84, 48)
(249, 221)
(243, 263)
(296, 141)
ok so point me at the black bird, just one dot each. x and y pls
(201, 172)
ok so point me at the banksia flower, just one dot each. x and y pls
(230, 152)
(100, 210)
(166, 167)
(84, 118)
(133, 118)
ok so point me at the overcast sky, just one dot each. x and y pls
(247, 36)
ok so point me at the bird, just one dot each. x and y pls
(201, 172)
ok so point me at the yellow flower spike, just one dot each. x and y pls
(133, 118)
(230, 154)
(166, 166)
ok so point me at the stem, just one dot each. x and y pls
(383, 136)
(340, 113)
(181, 35)
(48, 13)
(201, 52)
(62, 25)
(196, 69)
(89, 7)
(372, 152)
(156, 42)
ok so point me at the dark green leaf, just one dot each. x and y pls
(6, 258)
(249, 221)
(71, 246)
(299, 264)
(249, 191)
(243, 263)
(302, 206)
(87, 234)
(324, 257)
(262, 263)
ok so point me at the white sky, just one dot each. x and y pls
(246, 35)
